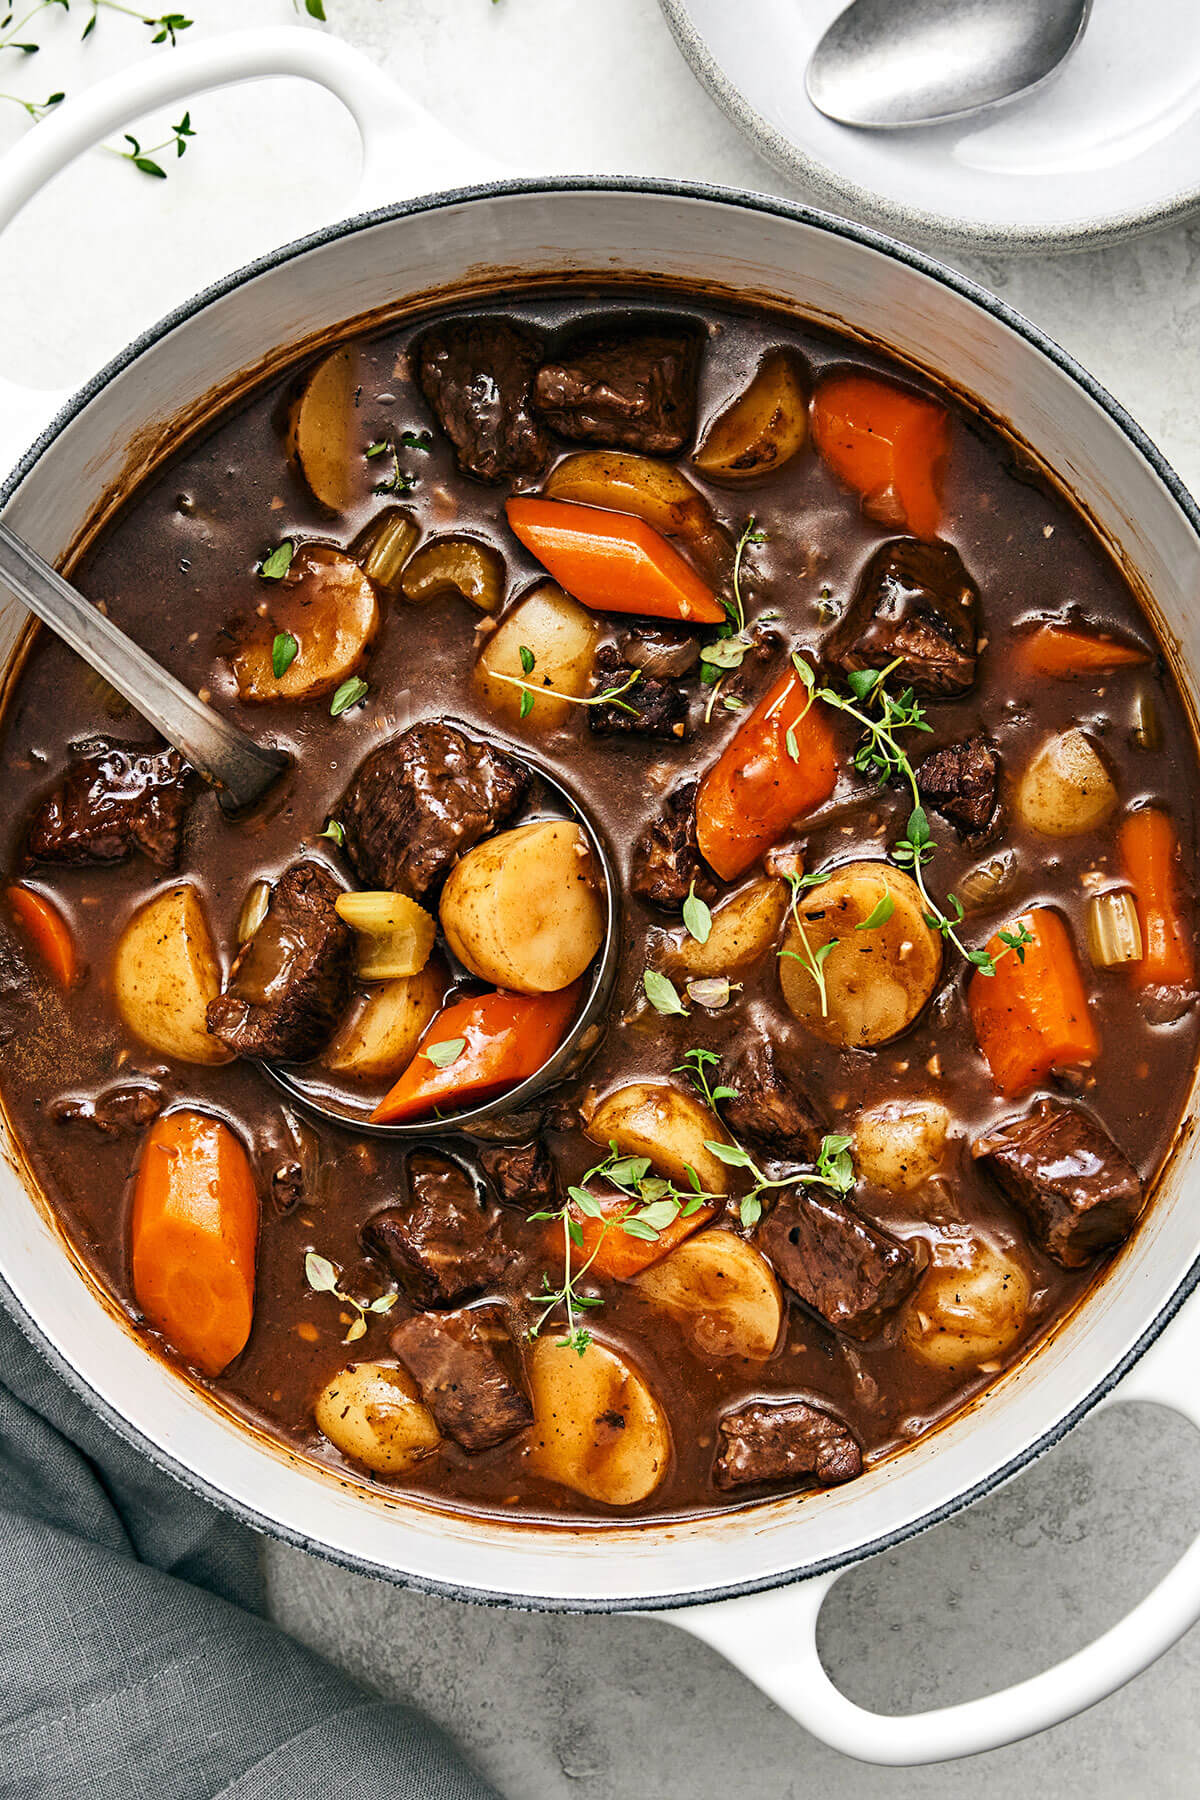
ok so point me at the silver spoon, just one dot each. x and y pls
(239, 769)
(888, 64)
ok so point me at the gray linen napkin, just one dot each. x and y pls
(135, 1663)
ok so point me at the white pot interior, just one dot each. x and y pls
(825, 274)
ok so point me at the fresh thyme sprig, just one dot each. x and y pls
(806, 956)
(881, 754)
(529, 694)
(145, 159)
(654, 1204)
(165, 29)
(400, 481)
(727, 650)
(37, 109)
(833, 1169)
(165, 26)
(323, 1276)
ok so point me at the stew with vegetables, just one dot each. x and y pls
(899, 791)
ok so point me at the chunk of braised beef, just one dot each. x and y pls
(523, 1175)
(962, 782)
(636, 391)
(115, 1111)
(477, 375)
(291, 983)
(849, 1271)
(778, 1440)
(771, 1110)
(666, 857)
(915, 606)
(666, 655)
(1075, 1187)
(420, 800)
(650, 708)
(469, 1372)
(445, 1242)
(114, 799)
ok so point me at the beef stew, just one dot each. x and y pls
(899, 787)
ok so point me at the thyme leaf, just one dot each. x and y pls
(283, 653)
(323, 1276)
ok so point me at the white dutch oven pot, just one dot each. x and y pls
(752, 1582)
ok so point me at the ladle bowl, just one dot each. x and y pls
(486, 1118)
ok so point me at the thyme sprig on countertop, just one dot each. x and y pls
(164, 29)
(145, 160)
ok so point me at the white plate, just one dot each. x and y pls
(1109, 146)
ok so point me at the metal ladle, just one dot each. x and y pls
(241, 771)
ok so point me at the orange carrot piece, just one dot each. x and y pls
(1150, 854)
(1062, 651)
(758, 786)
(886, 443)
(613, 561)
(619, 1257)
(1031, 1017)
(48, 931)
(505, 1038)
(194, 1233)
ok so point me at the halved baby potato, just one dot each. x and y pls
(723, 1294)
(372, 1413)
(764, 428)
(165, 971)
(1066, 788)
(649, 489)
(379, 1039)
(743, 930)
(877, 977)
(899, 1145)
(560, 635)
(971, 1304)
(328, 606)
(322, 425)
(671, 1127)
(597, 1427)
(523, 909)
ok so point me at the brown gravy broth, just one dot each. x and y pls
(178, 566)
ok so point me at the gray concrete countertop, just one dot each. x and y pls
(621, 1708)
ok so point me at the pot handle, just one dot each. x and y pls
(397, 135)
(771, 1637)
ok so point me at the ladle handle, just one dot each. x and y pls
(234, 764)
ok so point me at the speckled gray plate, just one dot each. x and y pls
(1108, 147)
